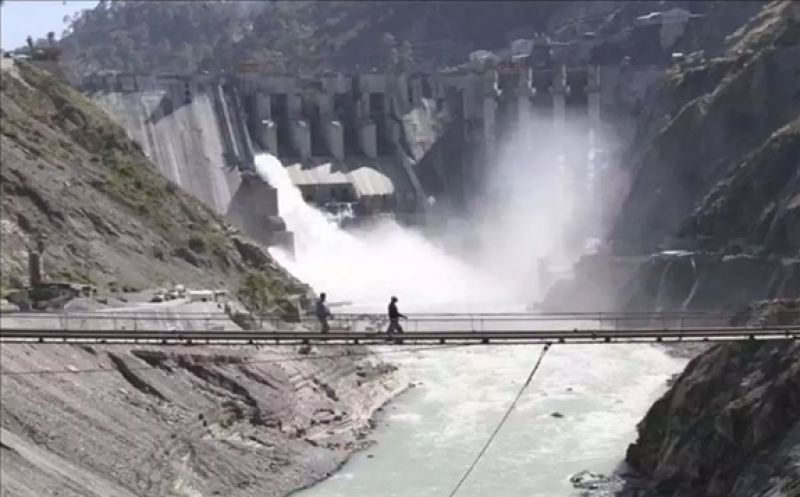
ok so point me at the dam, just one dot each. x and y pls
(383, 144)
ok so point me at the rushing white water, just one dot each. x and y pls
(368, 269)
(429, 436)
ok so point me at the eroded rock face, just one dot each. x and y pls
(759, 201)
(697, 281)
(674, 281)
(155, 421)
(728, 427)
(598, 279)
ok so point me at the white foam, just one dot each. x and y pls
(368, 269)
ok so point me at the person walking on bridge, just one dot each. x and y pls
(394, 318)
(323, 313)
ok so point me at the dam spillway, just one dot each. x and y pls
(387, 143)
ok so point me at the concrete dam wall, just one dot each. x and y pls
(387, 143)
(193, 131)
(183, 139)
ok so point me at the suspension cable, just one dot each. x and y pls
(502, 421)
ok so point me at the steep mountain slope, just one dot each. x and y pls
(721, 120)
(729, 426)
(71, 174)
(759, 200)
(287, 36)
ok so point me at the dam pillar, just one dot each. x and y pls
(524, 92)
(596, 130)
(266, 128)
(299, 130)
(403, 95)
(368, 136)
(393, 128)
(332, 128)
(254, 208)
(416, 91)
(367, 129)
(334, 135)
(559, 91)
(490, 114)
(301, 137)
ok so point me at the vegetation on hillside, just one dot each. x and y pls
(126, 174)
(256, 292)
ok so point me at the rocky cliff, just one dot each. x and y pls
(729, 426)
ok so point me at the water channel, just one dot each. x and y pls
(428, 437)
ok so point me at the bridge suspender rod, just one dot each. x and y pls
(502, 421)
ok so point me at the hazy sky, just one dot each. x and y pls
(20, 18)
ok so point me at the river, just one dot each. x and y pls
(429, 436)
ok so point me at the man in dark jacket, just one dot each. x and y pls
(394, 318)
(323, 313)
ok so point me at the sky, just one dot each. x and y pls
(20, 18)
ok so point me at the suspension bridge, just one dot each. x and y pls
(508, 328)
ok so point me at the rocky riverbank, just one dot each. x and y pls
(730, 424)
(130, 421)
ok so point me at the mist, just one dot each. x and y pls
(536, 209)
(370, 267)
(523, 214)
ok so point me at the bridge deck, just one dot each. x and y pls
(216, 327)
(338, 337)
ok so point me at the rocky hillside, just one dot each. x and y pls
(70, 174)
(730, 424)
(716, 153)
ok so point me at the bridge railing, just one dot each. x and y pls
(430, 322)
